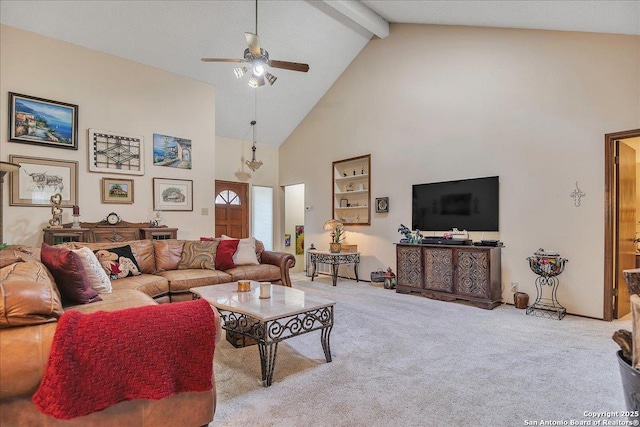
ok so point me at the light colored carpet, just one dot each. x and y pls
(412, 361)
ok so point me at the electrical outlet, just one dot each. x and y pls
(514, 287)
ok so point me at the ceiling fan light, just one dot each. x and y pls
(258, 69)
(240, 71)
(256, 81)
(270, 78)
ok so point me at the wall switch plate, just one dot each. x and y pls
(204, 211)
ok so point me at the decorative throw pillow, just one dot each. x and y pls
(224, 254)
(118, 262)
(98, 279)
(71, 277)
(198, 255)
(246, 252)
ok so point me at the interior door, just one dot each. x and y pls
(232, 209)
(626, 249)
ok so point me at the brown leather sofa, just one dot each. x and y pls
(163, 279)
(30, 307)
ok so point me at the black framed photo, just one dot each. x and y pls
(41, 121)
(382, 204)
(344, 203)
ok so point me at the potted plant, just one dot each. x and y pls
(337, 235)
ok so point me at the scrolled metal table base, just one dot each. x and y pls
(268, 334)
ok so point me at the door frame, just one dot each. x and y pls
(611, 216)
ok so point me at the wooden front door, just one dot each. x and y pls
(626, 229)
(232, 209)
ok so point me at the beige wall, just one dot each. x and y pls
(112, 94)
(438, 103)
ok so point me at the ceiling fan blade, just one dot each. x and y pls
(293, 66)
(254, 43)
(221, 60)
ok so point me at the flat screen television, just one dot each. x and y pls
(468, 204)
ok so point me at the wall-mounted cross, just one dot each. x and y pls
(577, 194)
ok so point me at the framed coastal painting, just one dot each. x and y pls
(38, 179)
(171, 151)
(172, 194)
(41, 121)
(115, 190)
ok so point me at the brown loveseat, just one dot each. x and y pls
(30, 307)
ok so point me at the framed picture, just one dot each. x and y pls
(38, 179)
(172, 194)
(116, 190)
(171, 151)
(287, 239)
(42, 122)
(382, 204)
(115, 152)
(344, 203)
(299, 239)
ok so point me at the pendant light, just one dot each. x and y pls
(254, 165)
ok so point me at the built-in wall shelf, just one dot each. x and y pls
(352, 177)
(351, 180)
(346, 193)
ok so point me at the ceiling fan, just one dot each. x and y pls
(257, 59)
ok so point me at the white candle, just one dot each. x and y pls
(265, 290)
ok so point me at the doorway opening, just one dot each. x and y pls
(622, 153)
(294, 217)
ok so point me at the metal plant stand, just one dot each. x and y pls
(547, 268)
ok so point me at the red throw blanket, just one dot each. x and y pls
(150, 352)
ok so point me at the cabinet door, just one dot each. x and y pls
(472, 273)
(115, 234)
(438, 269)
(409, 266)
(55, 237)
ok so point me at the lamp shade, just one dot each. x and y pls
(331, 224)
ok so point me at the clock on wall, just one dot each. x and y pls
(382, 204)
(113, 218)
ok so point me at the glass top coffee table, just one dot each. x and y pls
(287, 313)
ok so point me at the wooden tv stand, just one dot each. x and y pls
(448, 273)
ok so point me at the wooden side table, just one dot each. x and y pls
(334, 259)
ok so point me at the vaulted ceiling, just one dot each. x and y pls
(327, 35)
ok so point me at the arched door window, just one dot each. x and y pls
(227, 197)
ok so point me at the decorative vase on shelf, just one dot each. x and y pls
(335, 248)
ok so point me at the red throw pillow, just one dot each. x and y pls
(71, 277)
(224, 254)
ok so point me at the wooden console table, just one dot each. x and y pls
(335, 259)
(448, 273)
(96, 232)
